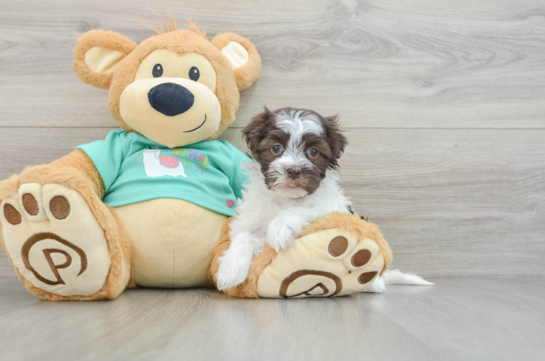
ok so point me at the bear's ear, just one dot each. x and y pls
(97, 54)
(242, 55)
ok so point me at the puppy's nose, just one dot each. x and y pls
(294, 173)
(170, 99)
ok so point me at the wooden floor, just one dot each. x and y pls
(444, 106)
(464, 318)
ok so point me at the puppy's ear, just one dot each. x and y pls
(337, 141)
(242, 55)
(252, 132)
(97, 54)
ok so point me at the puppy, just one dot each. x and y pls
(293, 182)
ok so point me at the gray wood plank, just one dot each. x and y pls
(458, 319)
(13, 295)
(444, 105)
(450, 202)
(473, 318)
(453, 202)
(379, 64)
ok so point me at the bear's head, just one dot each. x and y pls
(176, 88)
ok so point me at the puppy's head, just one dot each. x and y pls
(295, 148)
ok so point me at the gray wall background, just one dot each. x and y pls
(443, 102)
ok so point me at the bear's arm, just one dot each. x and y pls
(79, 160)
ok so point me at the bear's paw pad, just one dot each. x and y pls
(54, 240)
(323, 264)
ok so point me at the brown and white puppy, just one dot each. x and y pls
(295, 148)
(293, 182)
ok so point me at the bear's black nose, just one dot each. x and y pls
(170, 99)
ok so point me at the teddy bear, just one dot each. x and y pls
(149, 206)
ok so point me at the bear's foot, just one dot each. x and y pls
(54, 240)
(337, 255)
(323, 264)
(56, 243)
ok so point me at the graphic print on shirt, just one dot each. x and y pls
(207, 174)
(158, 165)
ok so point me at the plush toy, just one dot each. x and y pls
(149, 205)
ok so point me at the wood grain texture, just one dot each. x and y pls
(450, 202)
(444, 106)
(443, 103)
(458, 319)
(388, 64)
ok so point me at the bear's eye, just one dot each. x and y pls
(157, 70)
(277, 148)
(194, 74)
(313, 152)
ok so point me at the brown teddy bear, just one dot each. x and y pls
(148, 206)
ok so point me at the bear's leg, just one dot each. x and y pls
(337, 255)
(64, 242)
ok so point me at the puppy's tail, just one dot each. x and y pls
(396, 277)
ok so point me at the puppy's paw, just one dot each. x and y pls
(229, 279)
(280, 234)
(232, 271)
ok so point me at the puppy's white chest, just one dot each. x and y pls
(281, 202)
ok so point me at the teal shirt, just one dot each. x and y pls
(135, 169)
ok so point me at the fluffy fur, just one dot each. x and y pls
(287, 202)
(228, 82)
(247, 289)
(76, 171)
(279, 220)
(396, 277)
(106, 39)
(342, 222)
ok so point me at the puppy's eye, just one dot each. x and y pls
(194, 74)
(157, 70)
(313, 152)
(277, 148)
